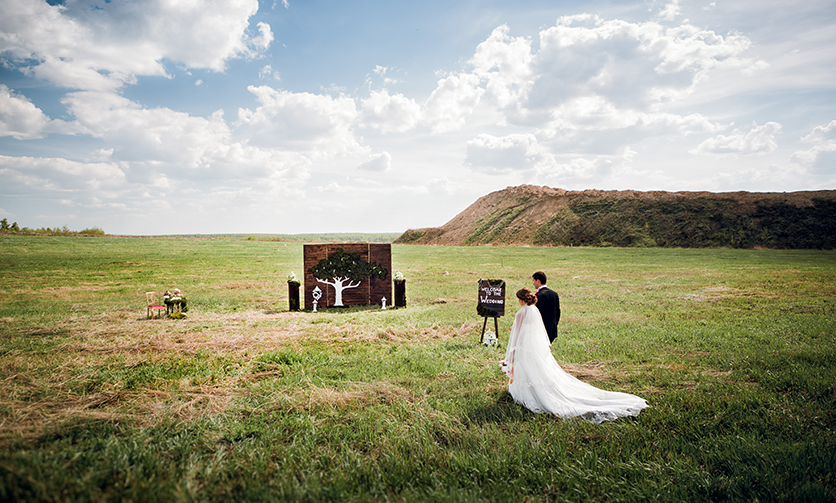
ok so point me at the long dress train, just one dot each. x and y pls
(537, 381)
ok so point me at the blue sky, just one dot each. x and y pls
(165, 117)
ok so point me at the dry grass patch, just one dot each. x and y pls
(38, 394)
(122, 334)
(434, 332)
(31, 418)
(354, 396)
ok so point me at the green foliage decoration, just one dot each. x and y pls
(347, 265)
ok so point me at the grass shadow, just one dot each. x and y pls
(503, 410)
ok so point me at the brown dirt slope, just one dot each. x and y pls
(549, 216)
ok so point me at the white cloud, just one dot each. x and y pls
(264, 38)
(56, 174)
(822, 155)
(764, 178)
(633, 66)
(596, 132)
(455, 97)
(492, 154)
(822, 134)
(754, 141)
(390, 113)
(594, 113)
(668, 124)
(267, 72)
(377, 162)
(578, 170)
(19, 118)
(163, 142)
(105, 47)
(442, 185)
(382, 71)
(611, 78)
(504, 63)
(317, 125)
(670, 12)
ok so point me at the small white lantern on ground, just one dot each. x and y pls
(317, 294)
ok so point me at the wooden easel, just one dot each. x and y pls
(495, 326)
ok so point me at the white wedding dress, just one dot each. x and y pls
(537, 381)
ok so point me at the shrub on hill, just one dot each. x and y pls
(696, 223)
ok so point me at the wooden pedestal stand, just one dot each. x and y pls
(293, 295)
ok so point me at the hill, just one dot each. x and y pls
(544, 216)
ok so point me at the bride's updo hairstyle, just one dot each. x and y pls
(527, 296)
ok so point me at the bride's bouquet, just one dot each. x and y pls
(504, 368)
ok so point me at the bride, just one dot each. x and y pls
(537, 381)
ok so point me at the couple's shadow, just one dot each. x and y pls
(502, 410)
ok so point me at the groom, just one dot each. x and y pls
(548, 302)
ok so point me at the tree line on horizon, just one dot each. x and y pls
(15, 228)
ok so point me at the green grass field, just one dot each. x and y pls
(245, 401)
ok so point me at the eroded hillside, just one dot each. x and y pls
(546, 216)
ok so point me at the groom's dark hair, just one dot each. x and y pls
(540, 276)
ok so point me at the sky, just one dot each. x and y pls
(147, 117)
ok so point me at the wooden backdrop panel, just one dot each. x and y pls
(379, 288)
(370, 290)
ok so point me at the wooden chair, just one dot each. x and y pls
(152, 305)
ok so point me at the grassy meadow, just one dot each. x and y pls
(245, 401)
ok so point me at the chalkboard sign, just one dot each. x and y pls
(491, 298)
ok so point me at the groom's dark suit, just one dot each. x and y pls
(548, 302)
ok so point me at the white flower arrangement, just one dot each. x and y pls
(489, 339)
(291, 278)
(398, 276)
